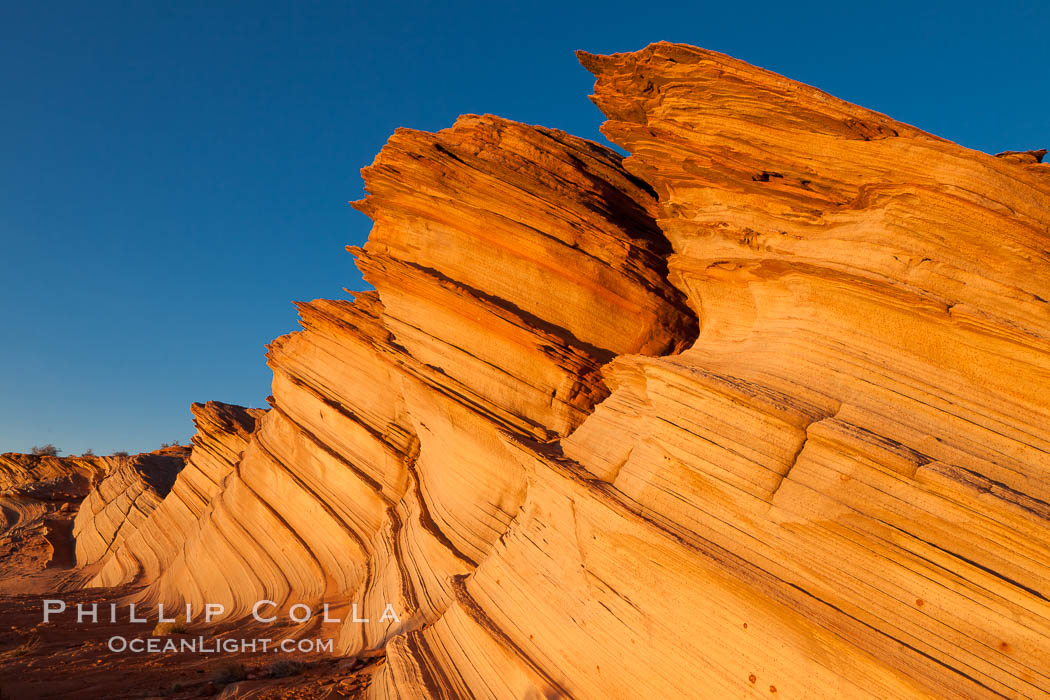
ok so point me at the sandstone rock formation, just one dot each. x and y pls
(155, 532)
(38, 499)
(121, 502)
(383, 469)
(41, 497)
(63, 478)
(760, 411)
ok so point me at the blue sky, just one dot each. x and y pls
(173, 175)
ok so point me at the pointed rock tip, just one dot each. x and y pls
(1034, 156)
(668, 49)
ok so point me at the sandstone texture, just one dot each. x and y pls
(121, 502)
(41, 497)
(38, 499)
(762, 410)
(166, 503)
(383, 469)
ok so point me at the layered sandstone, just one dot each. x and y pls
(761, 410)
(38, 500)
(840, 489)
(121, 502)
(164, 504)
(382, 470)
(59, 478)
(41, 497)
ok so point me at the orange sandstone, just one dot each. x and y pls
(762, 408)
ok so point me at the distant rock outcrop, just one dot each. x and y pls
(41, 497)
(38, 498)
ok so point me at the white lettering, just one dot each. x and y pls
(257, 606)
(82, 613)
(326, 618)
(160, 614)
(49, 608)
(131, 615)
(213, 609)
(291, 612)
(389, 614)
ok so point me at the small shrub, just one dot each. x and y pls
(165, 628)
(88, 453)
(230, 672)
(47, 450)
(120, 453)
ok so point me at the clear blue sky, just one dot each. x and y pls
(173, 175)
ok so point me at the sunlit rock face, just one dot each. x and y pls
(511, 264)
(858, 439)
(762, 410)
(163, 508)
(121, 502)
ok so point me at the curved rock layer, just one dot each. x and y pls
(145, 513)
(121, 502)
(382, 470)
(840, 489)
(814, 465)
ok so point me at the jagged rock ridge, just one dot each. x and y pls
(350, 474)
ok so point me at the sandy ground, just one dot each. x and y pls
(64, 659)
(67, 659)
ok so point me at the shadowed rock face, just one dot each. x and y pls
(780, 428)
